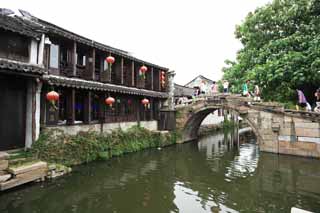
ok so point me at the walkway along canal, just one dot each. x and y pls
(209, 176)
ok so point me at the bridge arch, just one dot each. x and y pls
(193, 123)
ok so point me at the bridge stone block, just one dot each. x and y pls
(307, 125)
(286, 131)
(309, 139)
(299, 148)
(304, 132)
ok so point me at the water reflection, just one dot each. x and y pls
(221, 173)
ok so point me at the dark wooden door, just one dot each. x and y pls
(12, 113)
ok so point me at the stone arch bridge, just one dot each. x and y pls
(277, 130)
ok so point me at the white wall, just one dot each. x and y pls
(107, 127)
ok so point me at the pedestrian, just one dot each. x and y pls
(225, 86)
(317, 95)
(245, 90)
(256, 93)
(215, 88)
(302, 101)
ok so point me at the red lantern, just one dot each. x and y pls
(143, 69)
(110, 59)
(145, 102)
(109, 101)
(52, 96)
(129, 101)
(163, 79)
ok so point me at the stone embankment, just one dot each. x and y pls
(51, 155)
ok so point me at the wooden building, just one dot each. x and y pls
(37, 57)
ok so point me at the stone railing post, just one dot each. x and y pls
(170, 89)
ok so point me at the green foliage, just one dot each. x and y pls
(228, 124)
(281, 50)
(55, 147)
(220, 86)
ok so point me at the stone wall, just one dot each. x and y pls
(106, 127)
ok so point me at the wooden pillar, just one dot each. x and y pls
(93, 64)
(87, 107)
(151, 109)
(71, 98)
(74, 59)
(151, 72)
(121, 71)
(132, 73)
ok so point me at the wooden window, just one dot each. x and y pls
(14, 46)
(97, 68)
(81, 59)
(54, 56)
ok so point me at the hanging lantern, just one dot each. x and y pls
(110, 60)
(129, 102)
(143, 69)
(109, 101)
(163, 78)
(145, 102)
(52, 96)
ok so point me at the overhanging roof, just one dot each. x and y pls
(98, 86)
(20, 25)
(16, 66)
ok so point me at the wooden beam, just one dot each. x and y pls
(74, 59)
(102, 107)
(132, 73)
(151, 72)
(93, 64)
(87, 107)
(121, 70)
(71, 99)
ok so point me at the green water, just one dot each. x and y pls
(209, 176)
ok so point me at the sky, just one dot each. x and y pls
(191, 37)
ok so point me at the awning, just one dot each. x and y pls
(98, 86)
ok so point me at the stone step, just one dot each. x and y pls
(4, 156)
(27, 168)
(23, 178)
(4, 164)
(4, 176)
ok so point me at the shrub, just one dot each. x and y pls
(56, 147)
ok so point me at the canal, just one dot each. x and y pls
(209, 176)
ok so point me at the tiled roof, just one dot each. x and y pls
(21, 26)
(20, 67)
(92, 85)
(73, 36)
(34, 27)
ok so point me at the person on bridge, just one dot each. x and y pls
(317, 95)
(214, 88)
(225, 86)
(256, 93)
(302, 101)
(245, 90)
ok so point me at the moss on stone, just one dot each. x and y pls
(54, 146)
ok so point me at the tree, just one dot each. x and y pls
(281, 49)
